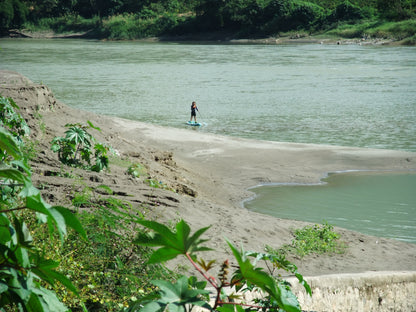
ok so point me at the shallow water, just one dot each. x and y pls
(379, 204)
(352, 95)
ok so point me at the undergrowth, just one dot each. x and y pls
(107, 268)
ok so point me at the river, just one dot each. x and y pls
(349, 95)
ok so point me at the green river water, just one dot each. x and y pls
(349, 95)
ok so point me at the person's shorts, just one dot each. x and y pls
(193, 113)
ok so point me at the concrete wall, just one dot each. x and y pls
(361, 292)
(371, 291)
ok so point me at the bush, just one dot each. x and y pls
(78, 148)
(24, 271)
(108, 270)
(316, 239)
(292, 15)
(345, 12)
(187, 292)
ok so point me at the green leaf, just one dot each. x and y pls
(48, 300)
(45, 270)
(71, 220)
(12, 174)
(177, 295)
(266, 282)
(165, 238)
(152, 307)
(8, 143)
(173, 243)
(92, 126)
(163, 254)
(36, 203)
(226, 308)
(3, 288)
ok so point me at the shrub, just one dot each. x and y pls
(188, 292)
(316, 239)
(78, 148)
(24, 270)
(108, 270)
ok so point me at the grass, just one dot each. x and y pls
(376, 29)
(316, 239)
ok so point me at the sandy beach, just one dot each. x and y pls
(211, 175)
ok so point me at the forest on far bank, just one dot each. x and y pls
(136, 19)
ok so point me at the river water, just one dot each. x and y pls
(350, 95)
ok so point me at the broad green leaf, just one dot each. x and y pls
(5, 229)
(177, 295)
(59, 221)
(288, 300)
(163, 254)
(49, 301)
(22, 164)
(36, 203)
(182, 233)
(34, 304)
(304, 283)
(45, 270)
(167, 236)
(12, 174)
(226, 308)
(71, 220)
(265, 281)
(3, 287)
(194, 242)
(8, 143)
(179, 242)
(152, 307)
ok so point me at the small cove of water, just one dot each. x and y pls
(379, 204)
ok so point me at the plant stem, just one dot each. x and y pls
(210, 279)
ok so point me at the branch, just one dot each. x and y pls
(13, 209)
(210, 279)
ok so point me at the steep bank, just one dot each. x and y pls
(210, 175)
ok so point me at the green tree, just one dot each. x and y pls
(13, 13)
(396, 9)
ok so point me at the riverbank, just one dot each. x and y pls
(210, 175)
(219, 37)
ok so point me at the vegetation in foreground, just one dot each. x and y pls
(391, 19)
(55, 259)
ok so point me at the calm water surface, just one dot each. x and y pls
(327, 94)
(349, 95)
(377, 204)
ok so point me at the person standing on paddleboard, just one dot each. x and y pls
(194, 108)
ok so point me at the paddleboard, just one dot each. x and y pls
(192, 123)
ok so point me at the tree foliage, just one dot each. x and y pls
(23, 268)
(161, 17)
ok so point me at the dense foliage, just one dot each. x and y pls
(24, 269)
(127, 19)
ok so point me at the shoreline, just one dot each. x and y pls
(214, 38)
(211, 175)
